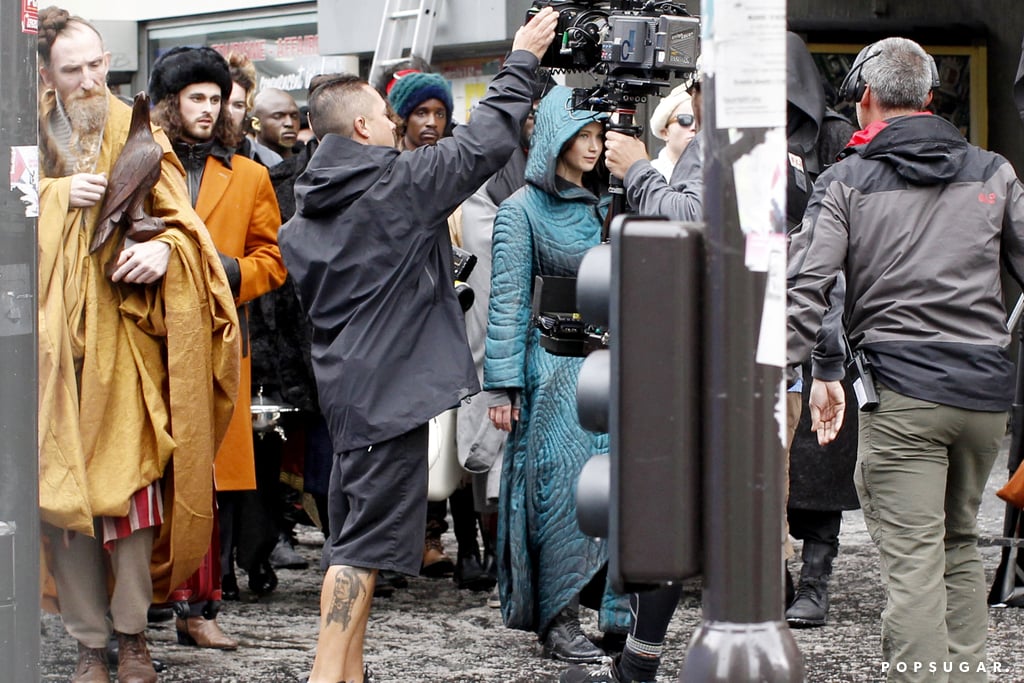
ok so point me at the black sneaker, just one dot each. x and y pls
(607, 673)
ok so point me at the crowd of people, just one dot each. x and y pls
(214, 242)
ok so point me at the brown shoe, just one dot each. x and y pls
(203, 632)
(435, 563)
(133, 662)
(92, 666)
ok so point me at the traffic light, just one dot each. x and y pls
(644, 389)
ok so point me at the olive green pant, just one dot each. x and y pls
(921, 472)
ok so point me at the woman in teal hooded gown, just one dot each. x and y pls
(545, 228)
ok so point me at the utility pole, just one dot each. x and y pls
(744, 637)
(19, 496)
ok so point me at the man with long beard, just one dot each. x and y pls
(138, 368)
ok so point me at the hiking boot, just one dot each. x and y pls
(134, 664)
(565, 640)
(435, 563)
(810, 608)
(92, 665)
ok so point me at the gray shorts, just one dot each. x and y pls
(377, 505)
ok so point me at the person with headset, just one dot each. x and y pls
(918, 219)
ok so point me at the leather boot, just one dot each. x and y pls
(202, 632)
(566, 641)
(470, 574)
(810, 607)
(133, 662)
(92, 666)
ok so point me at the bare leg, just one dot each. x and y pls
(344, 611)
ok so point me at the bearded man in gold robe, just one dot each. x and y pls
(138, 368)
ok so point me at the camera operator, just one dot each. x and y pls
(647, 191)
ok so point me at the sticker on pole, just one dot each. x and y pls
(30, 16)
(25, 177)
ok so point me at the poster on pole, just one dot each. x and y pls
(748, 61)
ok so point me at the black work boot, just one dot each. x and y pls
(810, 607)
(565, 640)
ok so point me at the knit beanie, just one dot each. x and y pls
(668, 104)
(413, 89)
(180, 67)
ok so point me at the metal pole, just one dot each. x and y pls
(19, 508)
(743, 637)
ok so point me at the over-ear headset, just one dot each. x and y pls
(852, 87)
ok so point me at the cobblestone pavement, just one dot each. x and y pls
(433, 632)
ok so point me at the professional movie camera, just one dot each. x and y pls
(636, 45)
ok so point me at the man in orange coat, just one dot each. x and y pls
(234, 197)
(138, 370)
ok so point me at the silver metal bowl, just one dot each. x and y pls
(265, 414)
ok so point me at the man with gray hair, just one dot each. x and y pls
(918, 219)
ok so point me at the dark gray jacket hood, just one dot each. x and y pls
(336, 177)
(923, 149)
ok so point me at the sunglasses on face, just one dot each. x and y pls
(684, 120)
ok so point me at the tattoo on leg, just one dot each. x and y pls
(349, 584)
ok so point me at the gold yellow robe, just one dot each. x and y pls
(136, 382)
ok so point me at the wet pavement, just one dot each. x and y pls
(433, 632)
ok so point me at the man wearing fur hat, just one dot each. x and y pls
(138, 365)
(235, 199)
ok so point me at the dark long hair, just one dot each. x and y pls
(167, 114)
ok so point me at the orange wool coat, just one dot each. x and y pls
(240, 210)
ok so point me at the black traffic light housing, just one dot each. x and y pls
(645, 390)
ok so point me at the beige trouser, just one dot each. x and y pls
(80, 569)
(794, 405)
(921, 472)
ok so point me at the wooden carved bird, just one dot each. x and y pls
(131, 179)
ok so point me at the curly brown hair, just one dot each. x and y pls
(167, 114)
(243, 72)
(53, 21)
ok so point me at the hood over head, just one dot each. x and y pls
(555, 124)
(805, 94)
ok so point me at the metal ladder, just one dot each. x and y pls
(393, 31)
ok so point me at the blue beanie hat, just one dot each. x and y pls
(413, 89)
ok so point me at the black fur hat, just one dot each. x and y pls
(182, 66)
